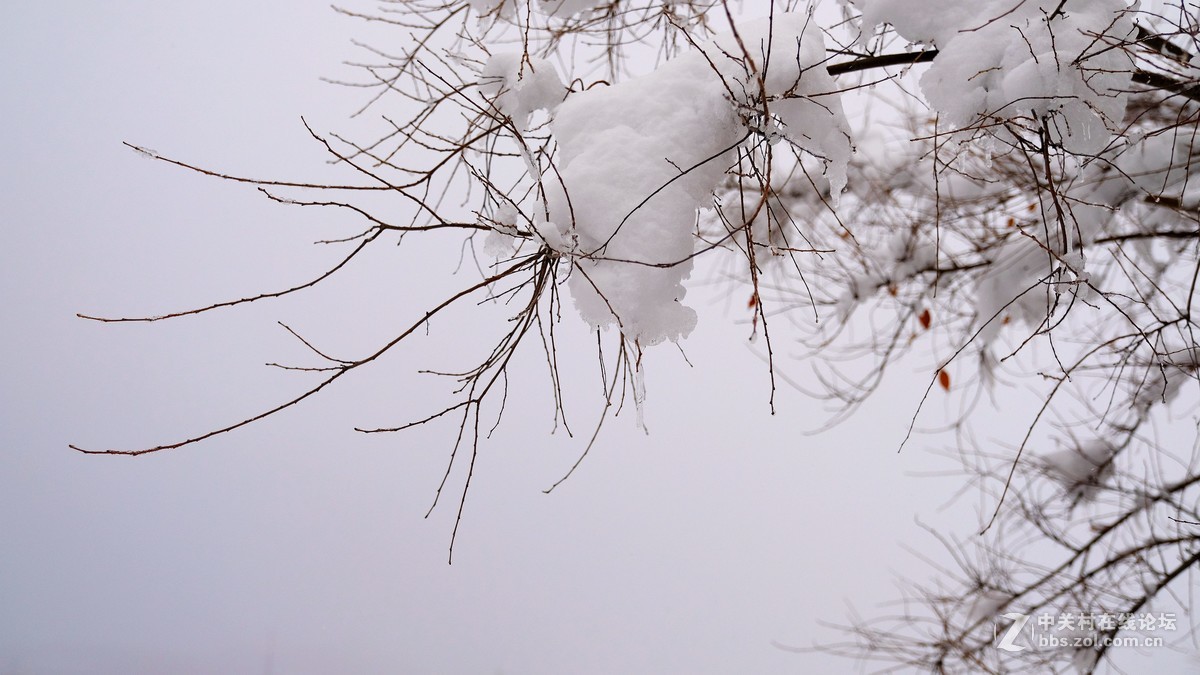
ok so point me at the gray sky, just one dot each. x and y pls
(297, 545)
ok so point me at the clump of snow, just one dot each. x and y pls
(895, 260)
(502, 241)
(1000, 59)
(800, 95)
(932, 22)
(1031, 268)
(1155, 166)
(1164, 380)
(485, 9)
(519, 85)
(1010, 288)
(637, 160)
(563, 9)
(1029, 60)
(987, 604)
(1160, 165)
(1082, 468)
(765, 216)
(886, 159)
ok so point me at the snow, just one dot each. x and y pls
(899, 257)
(502, 240)
(1009, 288)
(1000, 59)
(486, 7)
(567, 8)
(789, 53)
(1163, 381)
(519, 86)
(1024, 63)
(987, 605)
(668, 134)
(1082, 468)
(932, 22)
(1158, 165)
(637, 160)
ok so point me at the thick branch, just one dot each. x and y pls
(1156, 80)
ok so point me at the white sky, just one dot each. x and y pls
(297, 545)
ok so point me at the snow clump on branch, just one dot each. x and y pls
(1049, 60)
(639, 159)
(518, 86)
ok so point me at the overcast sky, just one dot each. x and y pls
(298, 545)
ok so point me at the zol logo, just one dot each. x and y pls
(1008, 642)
